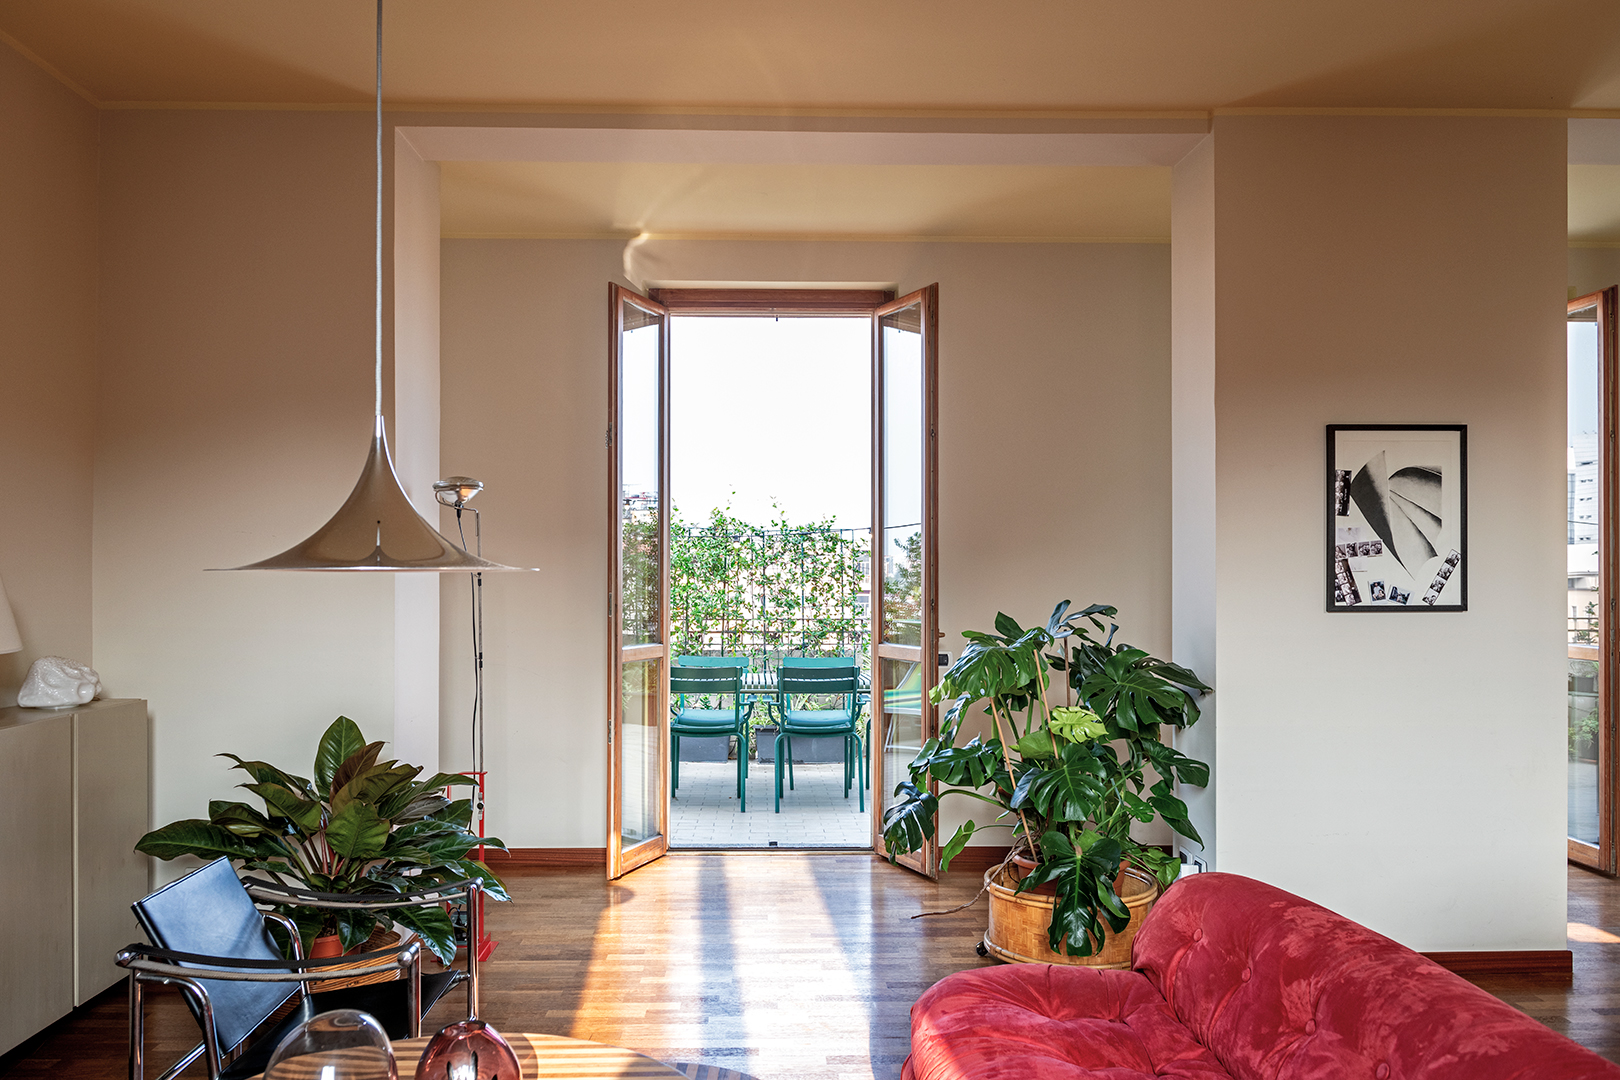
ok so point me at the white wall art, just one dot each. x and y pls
(1397, 517)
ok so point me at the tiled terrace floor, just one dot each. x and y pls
(703, 811)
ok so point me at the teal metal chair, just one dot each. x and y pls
(800, 681)
(716, 683)
(859, 699)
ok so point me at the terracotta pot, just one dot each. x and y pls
(1021, 867)
(326, 945)
(1018, 921)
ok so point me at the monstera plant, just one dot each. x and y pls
(1068, 779)
(360, 826)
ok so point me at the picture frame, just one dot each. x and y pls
(1397, 518)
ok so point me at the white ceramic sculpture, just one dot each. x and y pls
(55, 681)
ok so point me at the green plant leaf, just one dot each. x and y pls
(357, 832)
(460, 812)
(305, 813)
(203, 839)
(356, 763)
(494, 887)
(1035, 744)
(1008, 627)
(908, 823)
(374, 786)
(953, 847)
(265, 773)
(1054, 625)
(340, 740)
(432, 924)
(354, 927)
(1071, 789)
(240, 818)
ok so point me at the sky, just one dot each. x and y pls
(1583, 379)
(767, 409)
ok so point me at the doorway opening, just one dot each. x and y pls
(881, 713)
(770, 548)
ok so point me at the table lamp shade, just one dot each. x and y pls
(10, 640)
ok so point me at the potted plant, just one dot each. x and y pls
(361, 826)
(1068, 779)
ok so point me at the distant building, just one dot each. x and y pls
(1583, 488)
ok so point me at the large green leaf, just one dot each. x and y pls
(356, 763)
(909, 823)
(374, 785)
(432, 923)
(204, 839)
(953, 847)
(357, 832)
(1035, 744)
(460, 812)
(265, 773)
(991, 668)
(354, 927)
(493, 886)
(305, 813)
(340, 740)
(447, 842)
(240, 818)
(1070, 789)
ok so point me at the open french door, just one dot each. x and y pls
(1594, 578)
(638, 582)
(905, 545)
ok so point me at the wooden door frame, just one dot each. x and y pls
(619, 860)
(926, 861)
(1602, 856)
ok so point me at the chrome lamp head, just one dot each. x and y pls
(457, 491)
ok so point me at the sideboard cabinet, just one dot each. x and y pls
(76, 787)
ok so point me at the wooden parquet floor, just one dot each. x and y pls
(780, 966)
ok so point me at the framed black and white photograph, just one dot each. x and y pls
(1397, 517)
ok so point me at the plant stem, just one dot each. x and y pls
(1006, 756)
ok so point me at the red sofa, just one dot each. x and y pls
(1235, 980)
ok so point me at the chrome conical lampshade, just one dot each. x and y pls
(377, 528)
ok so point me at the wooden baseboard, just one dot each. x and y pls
(547, 856)
(1559, 962)
(977, 860)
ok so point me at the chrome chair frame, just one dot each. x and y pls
(149, 964)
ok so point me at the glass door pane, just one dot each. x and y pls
(640, 757)
(639, 599)
(1590, 532)
(904, 571)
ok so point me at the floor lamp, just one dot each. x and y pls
(456, 492)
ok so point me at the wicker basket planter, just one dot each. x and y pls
(1019, 921)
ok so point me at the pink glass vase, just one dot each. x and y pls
(469, 1050)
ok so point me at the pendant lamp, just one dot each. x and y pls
(377, 528)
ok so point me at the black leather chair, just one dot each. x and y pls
(211, 941)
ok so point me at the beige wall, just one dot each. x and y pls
(1591, 269)
(415, 447)
(234, 414)
(1408, 771)
(48, 151)
(1054, 464)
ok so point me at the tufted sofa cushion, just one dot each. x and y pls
(1046, 1022)
(1282, 989)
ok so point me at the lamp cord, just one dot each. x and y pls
(378, 402)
